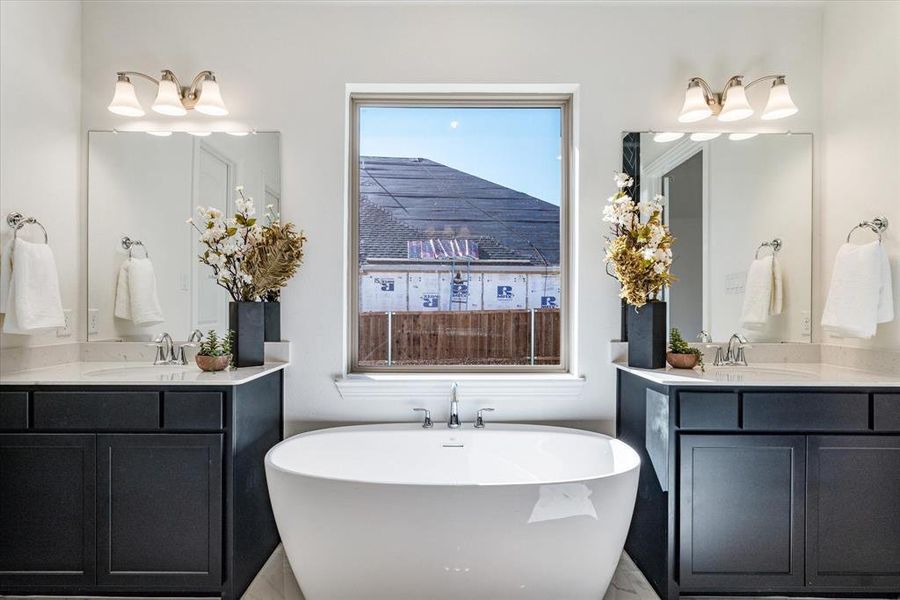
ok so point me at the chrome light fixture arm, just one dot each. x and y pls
(774, 78)
(125, 75)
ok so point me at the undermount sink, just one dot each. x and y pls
(737, 373)
(163, 372)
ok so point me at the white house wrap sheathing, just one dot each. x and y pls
(543, 291)
(504, 291)
(465, 296)
(431, 291)
(382, 292)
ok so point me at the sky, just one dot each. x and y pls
(518, 148)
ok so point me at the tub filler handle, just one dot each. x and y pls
(427, 424)
(479, 418)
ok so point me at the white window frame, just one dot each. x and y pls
(562, 96)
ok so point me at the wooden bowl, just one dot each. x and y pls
(682, 361)
(213, 363)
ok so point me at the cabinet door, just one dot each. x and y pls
(159, 517)
(741, 512)
(853, 520)
(47, 491)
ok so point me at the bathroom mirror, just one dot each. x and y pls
(733, 201)
(141, 189)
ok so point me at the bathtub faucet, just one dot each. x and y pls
(453, 421)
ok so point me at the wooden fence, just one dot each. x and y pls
(484, 337)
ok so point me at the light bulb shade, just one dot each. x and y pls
(210, 101)
(736, 106)
(695, 107)
(704, 136)
(168, 100)
(125, 101)
(739, 137)
(667, 136)
(780, 104)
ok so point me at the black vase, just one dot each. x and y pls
(247, 321)
(273, 321)
(647, 335)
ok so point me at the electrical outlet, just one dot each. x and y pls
(93, 320)
(805, 323)
(65, 330)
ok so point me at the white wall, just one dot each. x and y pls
(861, 141)
(40, 148)
(284, 66)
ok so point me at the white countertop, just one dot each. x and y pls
(767, 374)
(135, 373)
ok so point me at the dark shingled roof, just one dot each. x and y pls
(403, 199)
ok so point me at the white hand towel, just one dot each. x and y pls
(886, 296)
(34, 303)
(123, 295)
(860, 294)
(6, 256)
(762, 292)
(145, 309)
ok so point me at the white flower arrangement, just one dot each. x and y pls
(227, 241)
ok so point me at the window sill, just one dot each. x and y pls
(403, 386)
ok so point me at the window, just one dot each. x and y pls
(458, 220)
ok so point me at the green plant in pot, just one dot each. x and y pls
(215, 353)
(639, 254)
(681, 355)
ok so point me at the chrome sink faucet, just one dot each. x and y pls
(734, 354)
(453, 421)
(164, 349)
(178, 355)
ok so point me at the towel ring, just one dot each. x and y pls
(17, 221)
(877, 225)
(775, 245)
(129, 244)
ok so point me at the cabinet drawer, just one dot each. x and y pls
(13, 410)
(887, 412)
(192, 411)
(791, 411)
(104, 411)
(707, 410)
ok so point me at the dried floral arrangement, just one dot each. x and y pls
(640, 251)
(276, 256)
(252, 261)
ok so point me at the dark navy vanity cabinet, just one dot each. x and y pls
(749, 490)
(108, 490)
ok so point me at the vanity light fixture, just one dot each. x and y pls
(738, 137)
(172, 98)
(200, 133)
(667, 136)
(159, 133)
(731, 104)
(704, 136)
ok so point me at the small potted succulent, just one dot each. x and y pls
(215, 353)
(680, 354)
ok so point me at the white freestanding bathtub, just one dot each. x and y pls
(401, 512)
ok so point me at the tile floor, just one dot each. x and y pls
(276, 582)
